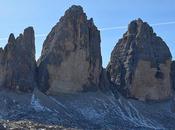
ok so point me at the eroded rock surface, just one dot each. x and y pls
(71, 57)
(17, 62)
(140, 64)
(173, 74)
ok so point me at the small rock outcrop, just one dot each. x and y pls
(17, 62)
(140, 64)
(71, 57)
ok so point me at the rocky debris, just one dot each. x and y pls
(29, 125)
(85, 111)
(140, 64)
(2, 127)
(17, 62)
(71, 57)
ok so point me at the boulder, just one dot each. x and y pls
(71, 58)
(140, 64)
(17, 62)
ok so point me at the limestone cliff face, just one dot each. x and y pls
(173, 74)
(2, 70)
(71, 56)
(140, 64)
(17, 62)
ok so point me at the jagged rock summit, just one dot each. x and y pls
(140, 64)
(17, 62)
(71, 57)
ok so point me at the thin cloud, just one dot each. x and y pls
(105, 29)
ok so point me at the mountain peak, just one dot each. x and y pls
(74, 10)
(139, 27)
(72, 51)
(138, 58)
(11, 38)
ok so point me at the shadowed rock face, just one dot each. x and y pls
(18, 65)
(140, 64)
(173, 74)
(71, 57)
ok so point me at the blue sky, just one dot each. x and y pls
(15, 15)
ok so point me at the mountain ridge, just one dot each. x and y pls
(67, 88)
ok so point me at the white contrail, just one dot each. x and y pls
(105, 29)
(166, 23)
(124, 27)
(41, 35)
(37, 35)
(2, 40)
(113, 28)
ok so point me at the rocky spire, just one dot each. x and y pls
(140, 64)
(71, 57)
(18, 62)
(11, 39)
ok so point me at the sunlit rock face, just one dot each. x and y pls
(140, 64)
(17, 62)
(71, 58)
